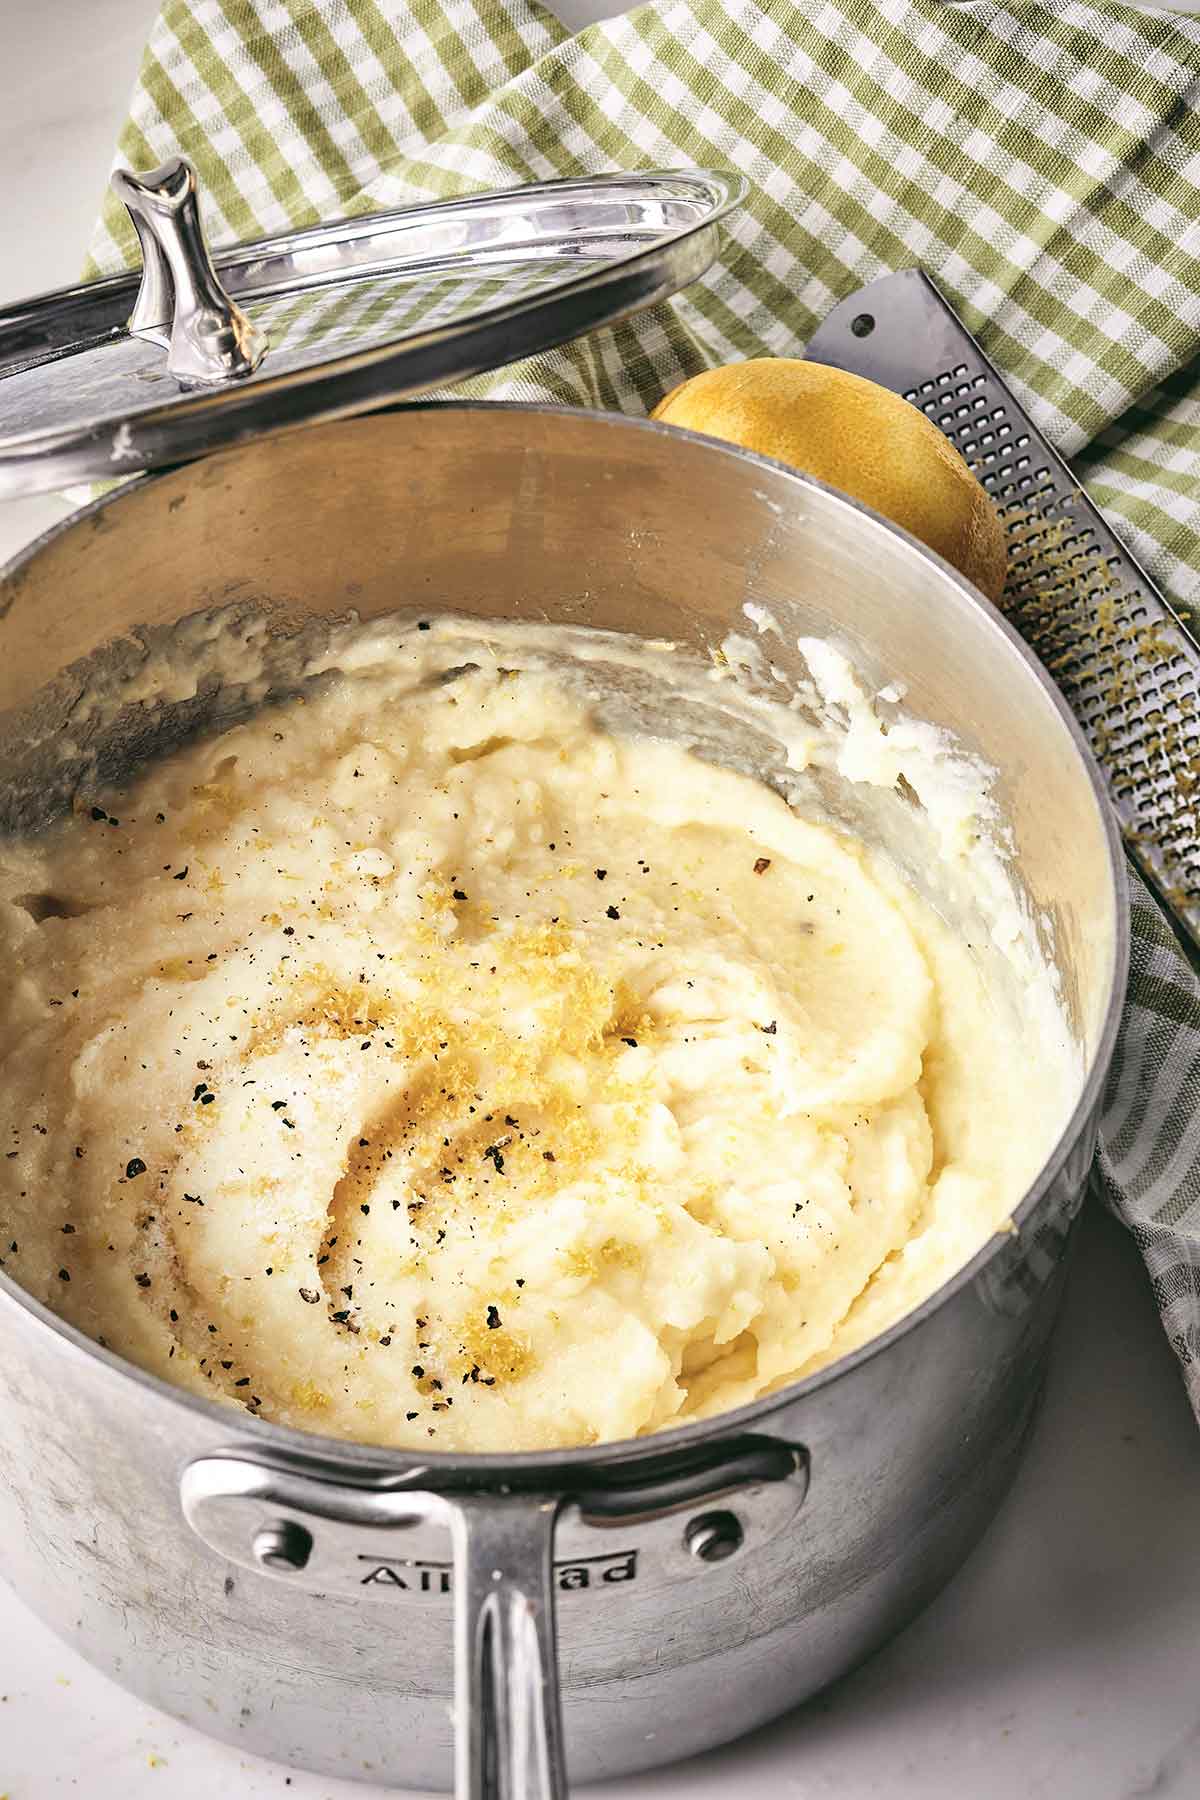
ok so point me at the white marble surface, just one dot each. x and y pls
(1064, 1662)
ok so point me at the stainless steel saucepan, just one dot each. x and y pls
(355, 1611)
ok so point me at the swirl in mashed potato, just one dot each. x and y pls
(423, 1064)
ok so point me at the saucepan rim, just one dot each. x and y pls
(556, 1469)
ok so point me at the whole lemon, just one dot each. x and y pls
(859, 437)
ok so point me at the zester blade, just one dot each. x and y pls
(1127, 664)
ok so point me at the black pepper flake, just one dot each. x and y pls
(193, 1200)
(134, 1167)
(339, 1318)
(244, 1382)
(174, 1316)
(143, 1280)
(422, 625)
(411, 1416)
(98, 813)
(207, 1099)
(520, 1281)
(548, 1156)
(612, 912)
(458, 894)
(493, 1151)
(385, 1341)
(68, 1231)
(493, 1319)
(761, 865)
(364, 1209)
(632, 1042)
(289, 931)
(181, 875)
(418, 1372)
(278, 1105)
(310, 1296)
(64, 1275)
(769, 1030)
(600, 874)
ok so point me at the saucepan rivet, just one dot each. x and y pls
(862, 325)
(283, 1545)
(714, 1536)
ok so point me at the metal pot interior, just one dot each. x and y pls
(545, 515)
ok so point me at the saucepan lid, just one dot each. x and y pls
(203, 350)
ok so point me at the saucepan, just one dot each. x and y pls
(352, 1610)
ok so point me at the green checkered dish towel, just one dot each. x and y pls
(1043, 164)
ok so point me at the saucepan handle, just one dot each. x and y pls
(328, 1530)
(508, 1718)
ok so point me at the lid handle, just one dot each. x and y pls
(181, 303)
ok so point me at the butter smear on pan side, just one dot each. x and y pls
(449, 1059)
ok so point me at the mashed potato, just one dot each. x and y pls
(423, 1064)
